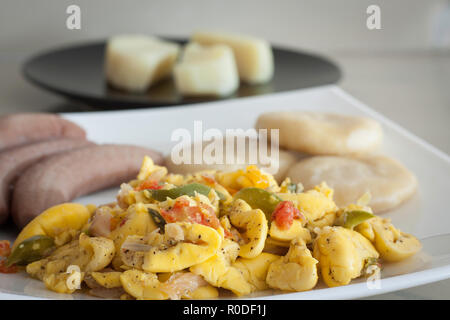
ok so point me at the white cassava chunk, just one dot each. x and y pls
(136, 62)
(207, 71)
(323, 133)
(253, 55)
(387, 180)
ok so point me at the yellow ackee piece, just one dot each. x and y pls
(218, 270)
(313, 204)
(149, 286)
(296, 271)
(252, 176)
(365, 228)
(151, 171)
(90, 254)
(295, 231)
(100, 249)
(54, 221)
(255, 270)
(107, 279)
(392, 244)
(254, 223)
(200, 243)
(142, 285)
(202, 293)
(137, 221)
(342, 254)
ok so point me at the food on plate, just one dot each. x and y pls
(255, 270)
(136, 62)
(219, 271)
(387, 180)
(342, 254)
(239, 160)
(21, 128)
(182, 246)
(392, 243)
(255, 197)
(31, 249)
(323, 133)
(206, 71)
(60, 271)
(71, 174)
(16, 159)
(252, 225)
(172, 236)
(296, 271)
(253, 55)
(57, 222)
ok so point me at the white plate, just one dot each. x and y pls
(425, 215)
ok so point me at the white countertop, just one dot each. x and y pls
(411, 88)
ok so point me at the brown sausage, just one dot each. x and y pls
(15, 160)
(21, 128)
(64, 177)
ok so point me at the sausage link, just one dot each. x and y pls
(64, 177)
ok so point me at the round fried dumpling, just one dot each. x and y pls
(387, 180)
(323, 133)
(240, 160)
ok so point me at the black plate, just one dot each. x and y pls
(77, 73)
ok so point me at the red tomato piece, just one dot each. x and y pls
(5, 269)
(228, 234)
(209, 180)
(182, 211)
(285, 213)
(149, 184)
(5, 248)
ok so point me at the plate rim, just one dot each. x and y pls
(351, 291)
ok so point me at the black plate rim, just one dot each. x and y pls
(100, 102)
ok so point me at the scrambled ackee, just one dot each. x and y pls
(197, 236)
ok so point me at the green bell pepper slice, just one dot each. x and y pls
(258, 198)
(31, 249)
(352, 218)
(157, 218)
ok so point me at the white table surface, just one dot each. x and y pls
(411, 88)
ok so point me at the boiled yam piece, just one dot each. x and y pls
(253, 55)
(136, 62)
(209, 71)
